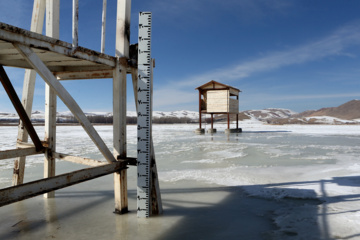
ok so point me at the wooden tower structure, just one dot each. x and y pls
(218, 98)
(55, 60)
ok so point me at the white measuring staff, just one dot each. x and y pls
(144, 106)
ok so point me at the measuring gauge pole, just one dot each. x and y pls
(144, 108)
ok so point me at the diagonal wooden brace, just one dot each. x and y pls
(35, 188)
(20, 109)
(67, 99)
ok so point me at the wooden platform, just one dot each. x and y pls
(60, 57)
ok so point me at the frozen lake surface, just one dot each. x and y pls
(315, 166)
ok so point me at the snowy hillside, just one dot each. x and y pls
(269, 113)
(39, 116)
(9, 116)
(347, 113)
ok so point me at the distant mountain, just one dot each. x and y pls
(269, 113)
(39, 116)
(347, 111)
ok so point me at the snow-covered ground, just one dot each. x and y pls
(270, 113)
(40, 115)
(274, 115)
(316, 164)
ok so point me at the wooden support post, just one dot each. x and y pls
(212, 121)
(228, 120)
(103, 26)
(50, 135)
(199, 109)
(119, 138)
(37, 23)
(52, 30)
(52, 21)
(75, 24)
(237, 114)
(119, 102)
(123, 28)
(237, 121)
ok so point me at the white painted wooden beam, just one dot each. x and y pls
(32, 189)
(119, 101)
(119, 138)
(52, 30)
(12, 34)
(20, 152)
(119, 111)
(37, 22)
(123, 28)
(84, 74)
(25, 144)
(38, 14)
(52, 18)
(68, 100)
(103, 26)
(79, 160)
(75, 24)
(98, 74)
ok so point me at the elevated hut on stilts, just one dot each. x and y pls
(218, 98)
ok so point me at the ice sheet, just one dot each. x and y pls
(300, 162)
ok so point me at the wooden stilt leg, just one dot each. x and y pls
(119, 128)
(212, 121)
(119, 102)
(120, 192)
(37, 23)
(52, 30)
(199, 109)
(237, 121)
(228, 120)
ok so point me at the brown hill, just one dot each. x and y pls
(348, 111)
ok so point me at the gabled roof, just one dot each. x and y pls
(213, 84)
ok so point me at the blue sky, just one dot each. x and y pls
(299, 54)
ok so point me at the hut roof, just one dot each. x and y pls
(215, 85)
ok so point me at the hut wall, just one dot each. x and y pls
(217, 101)
(234, 106)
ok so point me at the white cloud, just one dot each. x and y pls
(333, 45)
